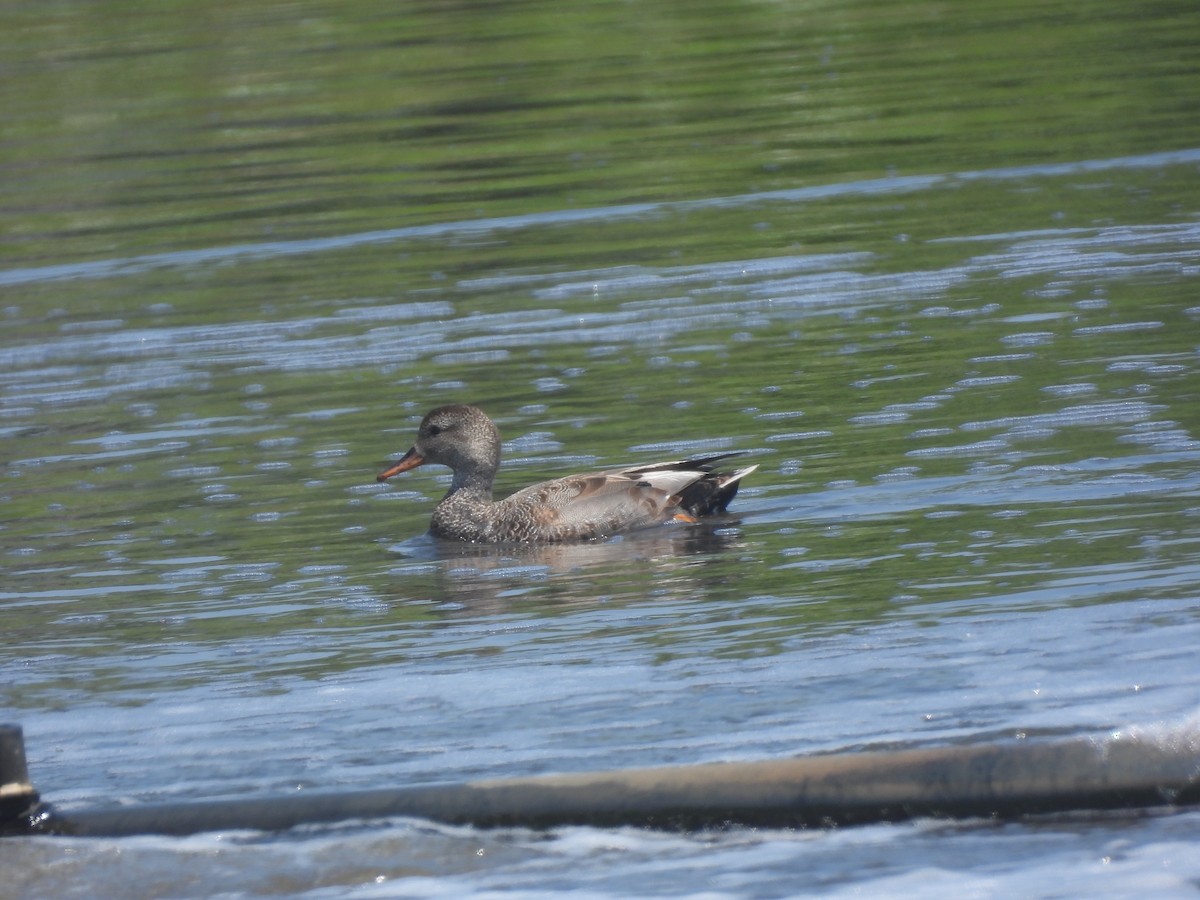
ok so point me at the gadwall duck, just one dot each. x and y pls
(577, 507)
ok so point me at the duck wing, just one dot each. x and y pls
(707, 492)
(588, 506)
(604, 503)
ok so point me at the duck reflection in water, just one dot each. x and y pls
(662, 564)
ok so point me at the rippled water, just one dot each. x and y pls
(968, 382)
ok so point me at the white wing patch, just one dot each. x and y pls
(670, 480)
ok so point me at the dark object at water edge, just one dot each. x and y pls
(997, 780)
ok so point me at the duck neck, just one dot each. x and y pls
(475, 485)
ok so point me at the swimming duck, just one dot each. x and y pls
(574, 508)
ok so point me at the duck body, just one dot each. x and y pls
(573, 508)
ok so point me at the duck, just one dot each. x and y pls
(579, 507)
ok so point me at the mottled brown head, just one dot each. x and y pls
(459, 436)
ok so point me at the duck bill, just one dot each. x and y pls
(409, 460)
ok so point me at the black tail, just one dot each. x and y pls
(712, 494)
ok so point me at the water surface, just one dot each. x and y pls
(933, 271)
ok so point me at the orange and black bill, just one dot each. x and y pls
(409, 460)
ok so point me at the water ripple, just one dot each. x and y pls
(880, 186)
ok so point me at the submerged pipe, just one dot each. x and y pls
(17, 796)
(1004, 780)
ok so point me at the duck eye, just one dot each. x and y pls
(434, 430)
